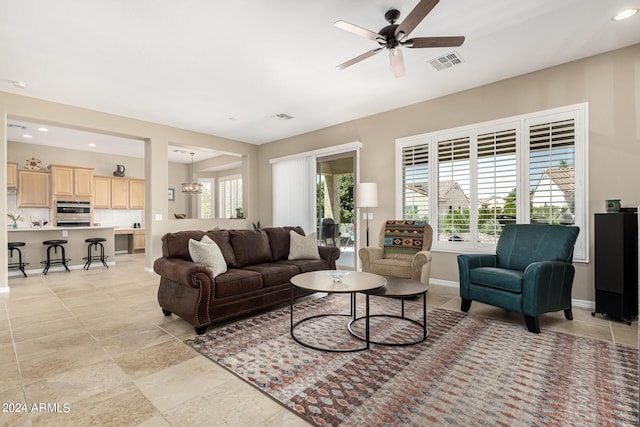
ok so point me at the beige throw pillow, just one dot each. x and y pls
(207, 252)
(303, 247)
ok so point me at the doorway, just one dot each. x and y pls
(335, 205)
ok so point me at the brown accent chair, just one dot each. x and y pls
(412, 264)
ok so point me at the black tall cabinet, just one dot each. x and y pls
(616, 265)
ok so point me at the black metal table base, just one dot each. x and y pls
(423, 325)
(351, 315)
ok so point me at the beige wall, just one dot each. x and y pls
(609, 82)
(157, 138)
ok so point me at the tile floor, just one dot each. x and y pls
(93, 348)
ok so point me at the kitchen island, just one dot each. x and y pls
(34, 252)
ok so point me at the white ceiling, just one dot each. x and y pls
(226, 68)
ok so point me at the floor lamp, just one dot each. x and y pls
(367, 197)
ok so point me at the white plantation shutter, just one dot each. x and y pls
(552, 172)
(454, 181)
(415, 181)
(496, 177)
(529, 168)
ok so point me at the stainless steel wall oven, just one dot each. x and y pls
(72, 213)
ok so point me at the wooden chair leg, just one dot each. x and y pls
(533, 323)
(466, 305)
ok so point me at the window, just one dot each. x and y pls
(524, 169)
(230, 195)
(205, 199)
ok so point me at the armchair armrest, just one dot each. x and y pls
(368, 255)
(421, 267)
(183, 272)
(547, 287)
(468, 261)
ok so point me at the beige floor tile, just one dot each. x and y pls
(625, 334)
(157, 421)
(149, 360)
(133, 340)
(77, 384)
(9, 370)
(52, 343)
(121, 406)
(173, 386)
(38, 368)
(44, 329)
(234, 403)
(17, 414)
(285, 417)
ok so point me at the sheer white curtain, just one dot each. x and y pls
(294, 193)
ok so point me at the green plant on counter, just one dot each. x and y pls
(15, 218)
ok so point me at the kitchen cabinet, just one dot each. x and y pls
(101, 192)
(33, 189)
(69, 181)
(119, 193)
(136, 241)
(127, 193)
(12, 175)
(136, 194)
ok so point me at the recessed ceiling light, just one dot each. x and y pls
(91, 144)
(625, 14)
(42, 129)
(26, 135)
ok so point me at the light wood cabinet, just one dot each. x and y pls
(119, 193)
(83, 182)
(136, 194)
(136, 241)
(71, 181)
(102, 192)
(33, 189)
(127, 193)
(12, 175)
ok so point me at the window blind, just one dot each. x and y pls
(415, 181)
(454, 180)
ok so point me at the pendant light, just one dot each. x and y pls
(192, 187)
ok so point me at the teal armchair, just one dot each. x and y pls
(531, 272)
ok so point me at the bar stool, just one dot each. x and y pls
(15, 246)
(55, 244)
(95, 243)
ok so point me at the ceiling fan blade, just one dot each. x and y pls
(420, 42)
(358, 58)
(415, 17)
(359, 31)
(397, 62)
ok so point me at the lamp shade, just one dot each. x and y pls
(367, 195)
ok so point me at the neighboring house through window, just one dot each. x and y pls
(524, 169)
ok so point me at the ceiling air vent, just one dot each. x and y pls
(282, 116)
(446, 61)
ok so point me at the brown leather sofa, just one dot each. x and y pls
(257, 277)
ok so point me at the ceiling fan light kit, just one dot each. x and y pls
(394, 36)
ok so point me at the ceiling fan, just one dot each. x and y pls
(393, 36)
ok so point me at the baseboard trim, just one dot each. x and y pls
(577, 303)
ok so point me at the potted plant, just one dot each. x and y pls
(15, 218)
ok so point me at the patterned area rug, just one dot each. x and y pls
(470, 370)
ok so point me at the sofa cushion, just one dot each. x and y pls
(207, 252)
(303, 247)
(176, 245)
(307, 264)
(221, 237)
(499, 278)
(274, 274)
(250, 247)
(279, 240)
(236, 281)
(391, 267)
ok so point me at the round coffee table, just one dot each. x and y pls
(321, 281)
(402, 289)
